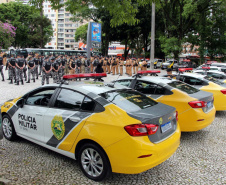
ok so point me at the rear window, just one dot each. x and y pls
(213, 80)
(183, 87)
(128, 100)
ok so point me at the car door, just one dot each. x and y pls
(65, 117)
(28, 120)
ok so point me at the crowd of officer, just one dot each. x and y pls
(29, 69)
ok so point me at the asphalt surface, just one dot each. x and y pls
(200, 159)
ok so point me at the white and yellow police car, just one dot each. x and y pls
(186, 99)
(208, 84)
(106, 128)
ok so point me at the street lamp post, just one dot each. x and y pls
(152, 49)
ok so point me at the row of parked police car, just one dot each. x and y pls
(127, 126)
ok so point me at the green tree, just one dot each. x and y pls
(7, 34)
(27, 21)
(81, 33)
(210, 27)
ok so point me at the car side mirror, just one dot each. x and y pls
(21, 103)
(78, 102)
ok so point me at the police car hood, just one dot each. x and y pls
(159, 114)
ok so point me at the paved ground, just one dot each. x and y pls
(200, 159)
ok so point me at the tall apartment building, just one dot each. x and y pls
(64, 29)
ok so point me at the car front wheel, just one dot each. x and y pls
(94, 162)
(8, 128)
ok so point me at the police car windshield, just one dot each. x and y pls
(128, 100)
(183, 87)
(213, 80)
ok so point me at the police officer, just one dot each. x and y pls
(60, 68)
(114, 65)
(63, 65)
(78, 66)
(83, 64)
(36, 60)
(25, 67)
(87, 66)
(1, 66)
(95, 63)
(41, 59)
(108, 65)
(121, 62)
(46, 70)
(31, 71)
(12, 69)
(104, 66)
(55, 70)
(72, 66)
(20, 64)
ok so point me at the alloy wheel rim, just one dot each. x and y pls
(92, 162)
(7, 129)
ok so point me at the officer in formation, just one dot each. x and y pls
(31, 69)
(46, 70)
(20, 65)
(49, 66)
(1, 66)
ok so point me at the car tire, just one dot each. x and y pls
(8, 128)
(155, 67)
(94, 162)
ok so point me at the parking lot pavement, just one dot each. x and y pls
(200, 159)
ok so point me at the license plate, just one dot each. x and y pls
(166, 126)
(209, 104)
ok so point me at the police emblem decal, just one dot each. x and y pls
(160, 121)
(57, 126)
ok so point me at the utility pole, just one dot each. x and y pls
(152, 49)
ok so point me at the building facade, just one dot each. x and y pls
(63, 28)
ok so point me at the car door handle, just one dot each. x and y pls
(75, 119)
(38, 114)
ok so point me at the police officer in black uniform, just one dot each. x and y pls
(78, 68)
(41, 59)
(20, 64)
(12, 69)
(31, 69)
(95, 63)
(59, 75)
(87, 66)
(55, 70)
(1, 67)
(36, 60)
(63, 65)
(46, 70)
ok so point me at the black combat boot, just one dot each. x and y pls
(34, 80)
(22, 82)
(3, 79)
(11, 82)
(17, 83)
(28, 81)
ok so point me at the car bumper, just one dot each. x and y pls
(124, 154)
(195, 119)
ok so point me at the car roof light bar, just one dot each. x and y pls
(185, 69)
(85, 75)
(148, 72)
